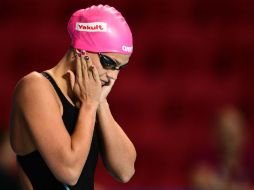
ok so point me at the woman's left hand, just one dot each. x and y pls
(106, 90)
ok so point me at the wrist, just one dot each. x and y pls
(87, 111)
(103, 100)
(89, 106)
(103, 104)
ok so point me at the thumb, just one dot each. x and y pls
(111, 82)
(71, 78)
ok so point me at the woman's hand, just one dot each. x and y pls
(86, 83)
(106, 89)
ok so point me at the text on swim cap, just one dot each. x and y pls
(127, 48)
(91, 27)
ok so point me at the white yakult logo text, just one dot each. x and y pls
(127, 48)
(91, 26)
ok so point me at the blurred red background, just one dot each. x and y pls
(191, 57)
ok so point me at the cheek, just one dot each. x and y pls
(113, 74)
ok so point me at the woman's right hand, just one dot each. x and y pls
(85, 83)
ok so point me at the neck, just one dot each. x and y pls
(59, 74)
(63, 65)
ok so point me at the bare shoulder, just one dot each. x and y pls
(28, 93)
(31, 87)
(34, 82)
(34, 91)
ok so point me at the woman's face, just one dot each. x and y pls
(107, 74)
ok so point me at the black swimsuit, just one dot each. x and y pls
(38, 172)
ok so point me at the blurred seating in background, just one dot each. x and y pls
(190, 58)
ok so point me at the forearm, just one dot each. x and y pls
(82, 137)
(119, 154)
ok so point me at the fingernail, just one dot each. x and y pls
(77, 53)
(86, 58)
(91, 67)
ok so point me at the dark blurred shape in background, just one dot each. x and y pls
(191, 57)
(229, 167)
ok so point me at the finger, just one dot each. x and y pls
(77, 52)
(78, 68)
(111, 82)
(71, 78)
(88, 61)
(89, 64)
(84, 66)
(95, 73)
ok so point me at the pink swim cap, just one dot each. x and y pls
(100, 29)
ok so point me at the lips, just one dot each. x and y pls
(104, 83)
